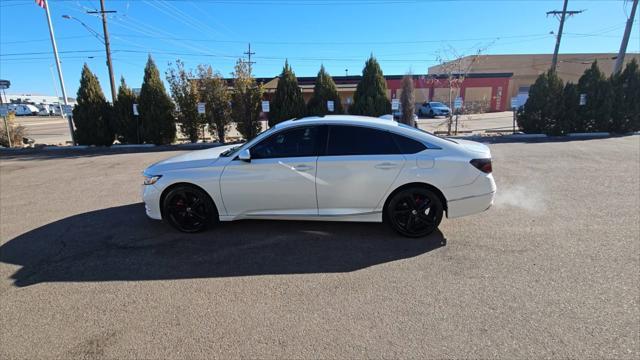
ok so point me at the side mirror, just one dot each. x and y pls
(245, 155)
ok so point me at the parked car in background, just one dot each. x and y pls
(24, 109)
(331, 168)
(433, 109)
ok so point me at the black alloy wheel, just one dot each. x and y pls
(189, 209)
(414, 212)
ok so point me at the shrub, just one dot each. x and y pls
(626, 92)
(18, 132)
(126, 124)
(543, 108)
(370, 97)
(595, 115)
(92, 114)
(407, 101)
(324, 90)
(287, 101)
(155, 108)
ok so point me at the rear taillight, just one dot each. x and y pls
(483, 165)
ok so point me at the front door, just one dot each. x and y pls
(280, 178)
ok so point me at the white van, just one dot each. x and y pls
(24, 109)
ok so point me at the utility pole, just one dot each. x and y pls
(107, 46)
(563, 15)
(249, 53)
(625, 39)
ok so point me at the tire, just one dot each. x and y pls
(432, 114)
(414, 212)
(189, 209)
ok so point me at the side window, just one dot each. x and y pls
(354, 140)
(407, 145)
(296, 142)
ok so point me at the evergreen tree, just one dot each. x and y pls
(245, 101)
(217, 98)
(568, 120)
(595, 115)
(155, 108)
(324, 90)
(626, 95)
(408, 101)
(184, 91)
(370, 97)
(92, 114)
(126, 125)
(287, 101)
(543, 108)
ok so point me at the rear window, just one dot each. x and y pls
(407, 145)
(354, 140)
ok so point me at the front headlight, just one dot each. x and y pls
(151, 179)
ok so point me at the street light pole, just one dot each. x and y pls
(55, 54)
(107, 46)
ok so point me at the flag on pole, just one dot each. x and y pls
(42, 3)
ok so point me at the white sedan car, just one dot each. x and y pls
(332, 168)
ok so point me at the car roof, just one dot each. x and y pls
(340, 119)
(378, 123)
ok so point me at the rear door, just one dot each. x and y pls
(356, 169)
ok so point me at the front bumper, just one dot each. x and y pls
(151, 197)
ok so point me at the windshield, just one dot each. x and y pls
(437, 104)
(232, 151)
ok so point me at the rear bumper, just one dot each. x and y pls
(470, 205)
(462, 204)
(151, 198)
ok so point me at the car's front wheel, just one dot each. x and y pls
(189, 209)
(414, 212)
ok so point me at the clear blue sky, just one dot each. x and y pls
(405, 35)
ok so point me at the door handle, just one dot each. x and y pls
(302, 167)
(386, 166)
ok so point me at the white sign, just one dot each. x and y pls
(457, 103)
(583, 99)
(395, 104)
(265, 106)
(515, 102)
(4, 111)
(201, 108)
(135, 110)
(330, 105)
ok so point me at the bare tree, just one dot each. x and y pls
(408, 100)
(455, 67)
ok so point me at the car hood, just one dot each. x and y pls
(192, 159)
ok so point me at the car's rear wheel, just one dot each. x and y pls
(431, 114)
(414, 212)
(189, 209)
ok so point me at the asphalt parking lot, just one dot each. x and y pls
(552, 270)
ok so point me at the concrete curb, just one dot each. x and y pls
(592, 134)
(53, 147)
(524, 136)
